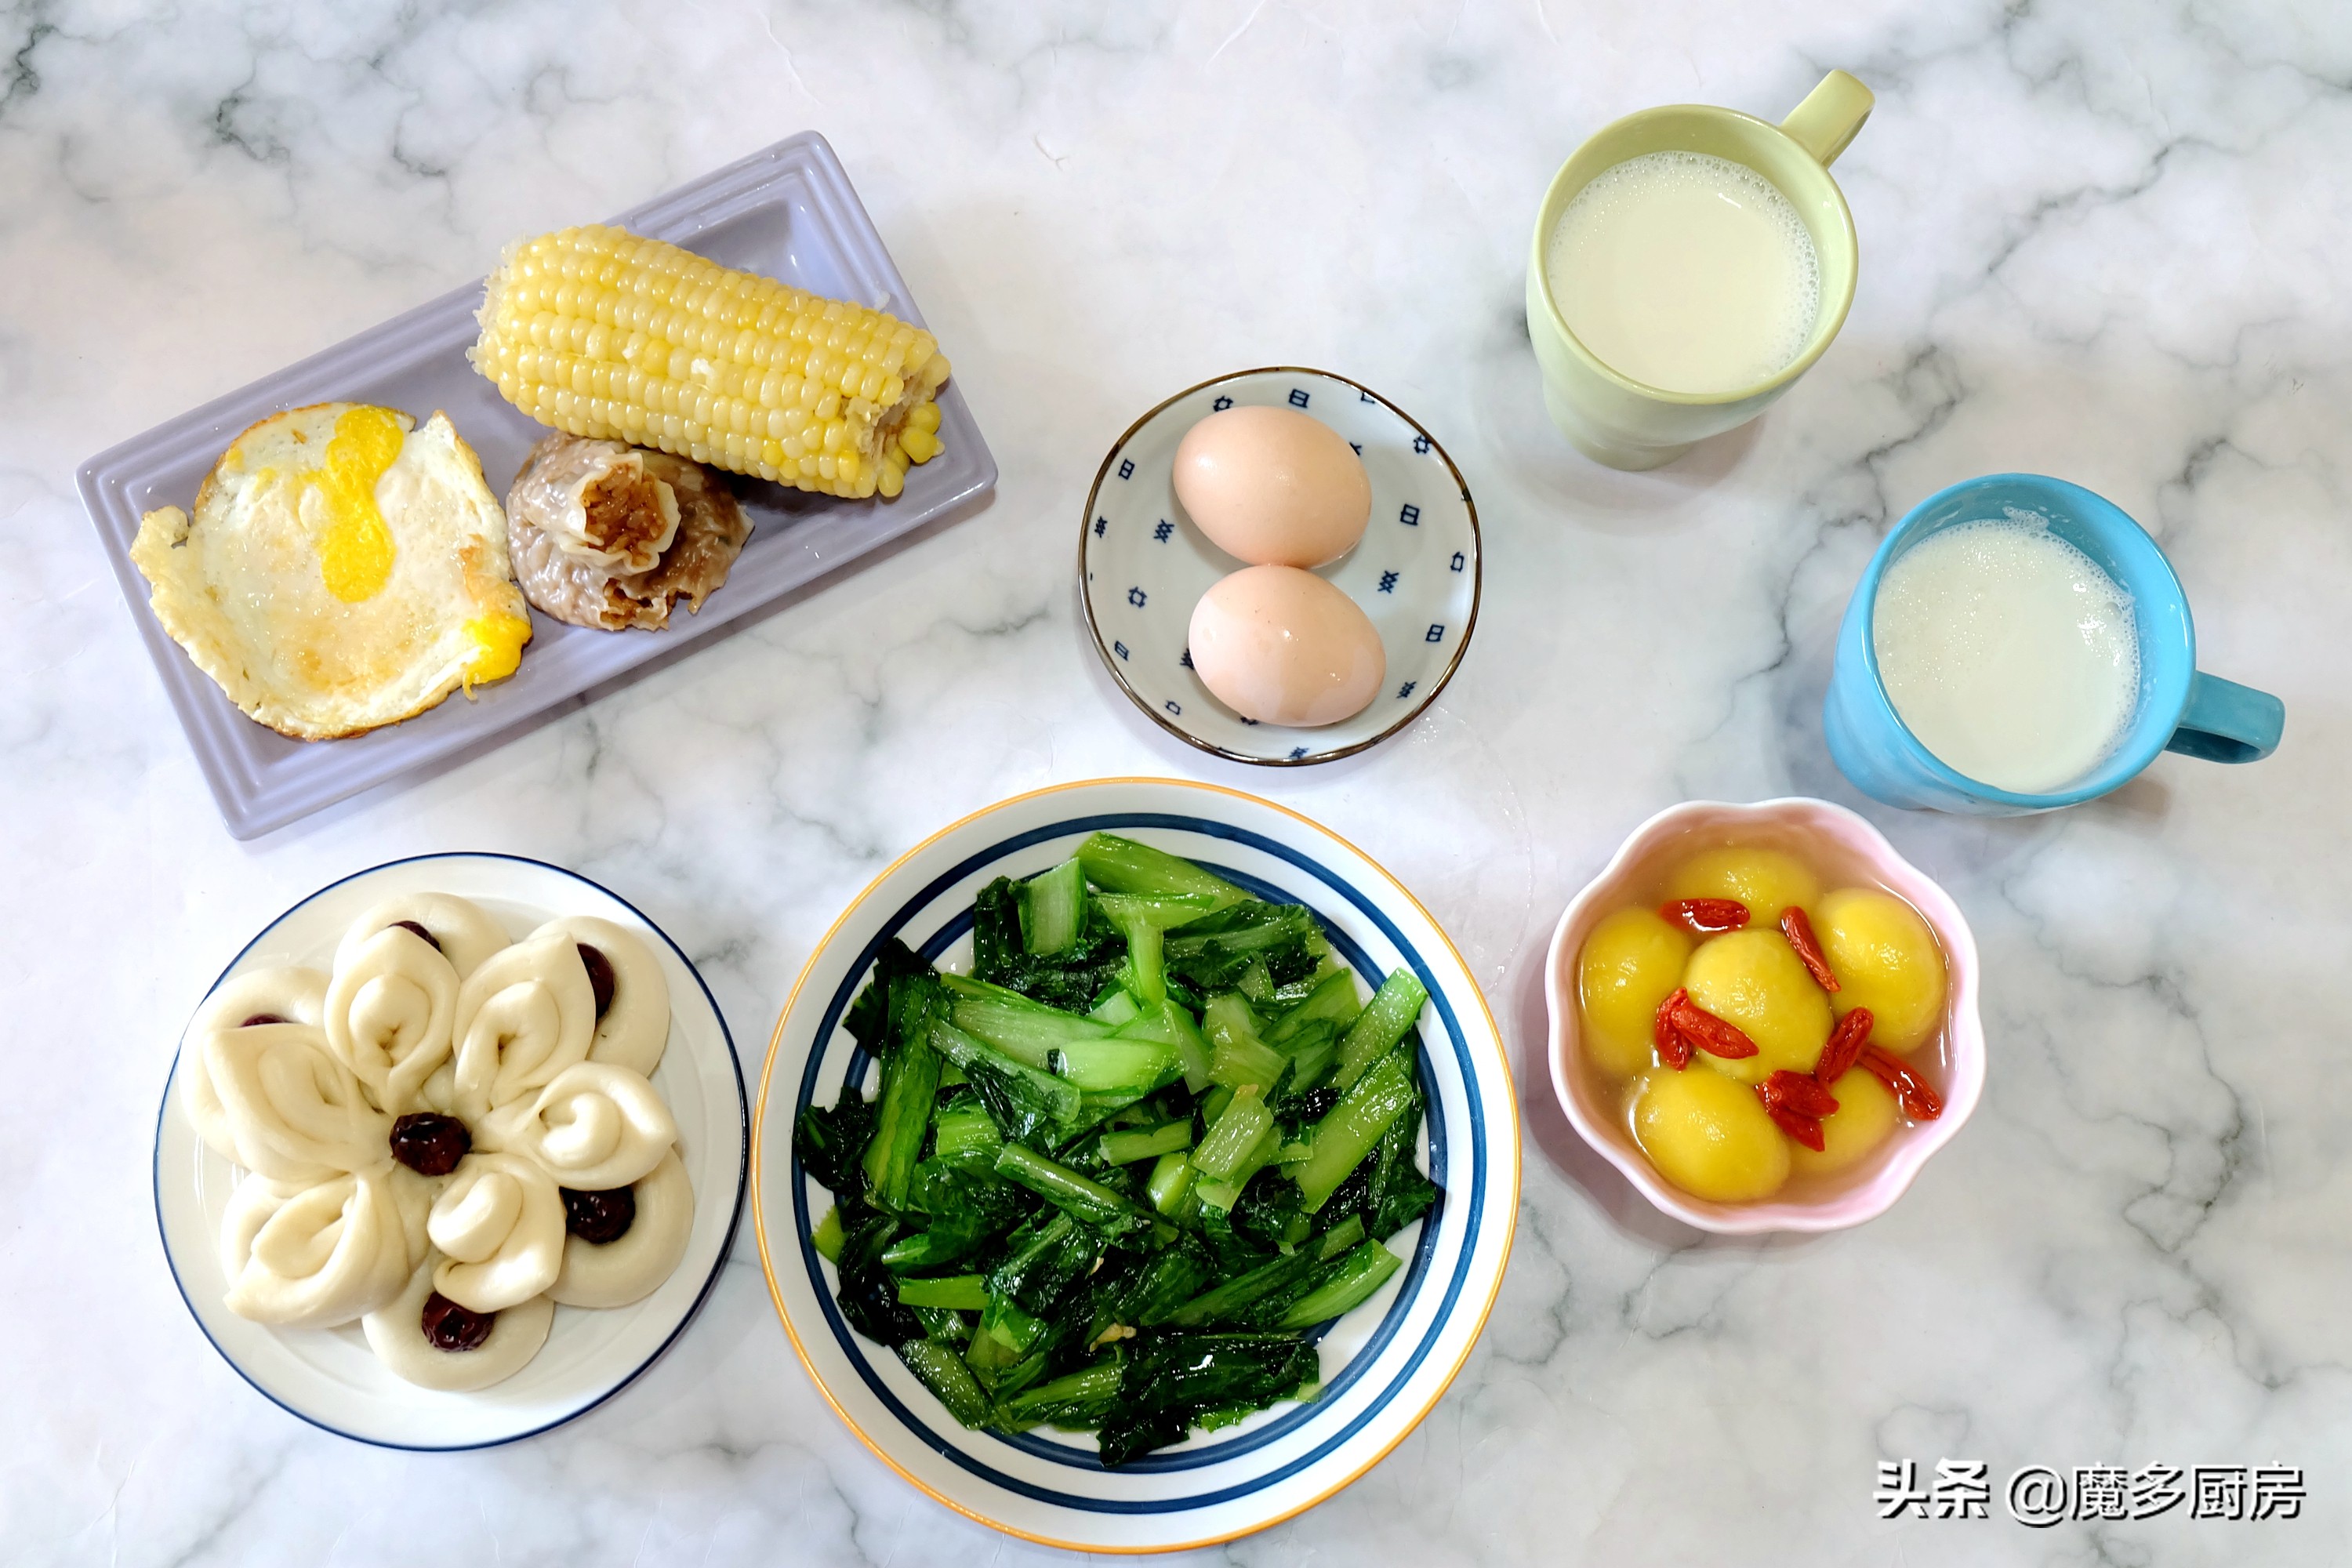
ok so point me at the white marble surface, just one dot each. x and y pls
(2100, 240)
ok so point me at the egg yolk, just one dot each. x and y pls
(355, 551)
(498, 641)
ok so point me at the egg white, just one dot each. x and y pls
(241, 584)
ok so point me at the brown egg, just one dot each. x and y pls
(1283, 647)
(1273, 487)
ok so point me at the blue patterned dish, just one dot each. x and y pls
(1144, 564)
(1384, 1365)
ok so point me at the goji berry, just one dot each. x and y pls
(1706, 916)
(1804, 1129)
(1799, 1092)
(1846, 1040)
(1673, 1049)
(1704, 1029)
(1919, 1102)
(1798, 927)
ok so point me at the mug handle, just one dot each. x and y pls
(2227, 723)
(1828, 117)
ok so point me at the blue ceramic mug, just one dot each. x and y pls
(2180, 709)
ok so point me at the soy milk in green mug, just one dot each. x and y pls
(1690, 263)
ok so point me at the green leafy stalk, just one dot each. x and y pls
(1385, 1021)
(1243, 1063)
(1077, 1398)
(1072, 1194)
(876, 1020)
(1127, 1145)
(1226, 1191)
(1234, 1135)
(1333, 1001)
(1053, 1254)
(964, 1292)
(1313, 1050)
(1142, 921)
(1171, 1181)
(1117, 1009)
(1348, 1132)
(1122, 866)
(1212, 952)
(1172, 1025)
(1022, 1100)
(1343, 1286)
(1235, 1297)
(944, 1373)
(1117, 1067)
(910, 1082)
(1070, 977)
(962, 1133)
(1026, 1031)
(1054, 907)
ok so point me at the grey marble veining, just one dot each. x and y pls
(2099, 240)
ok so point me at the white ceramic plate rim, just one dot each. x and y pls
(1149, 710)
(604, 1389)
(1905, 1161)
(1445, 1340)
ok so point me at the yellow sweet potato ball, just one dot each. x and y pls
(1632, 960)
(1754, 979)
(1766, 880)
(1886, 959)
(1867, 1113)
(1709, 1136)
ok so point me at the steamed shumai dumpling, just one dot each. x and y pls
(345, 570)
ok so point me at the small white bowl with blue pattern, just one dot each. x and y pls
(1384, 1365)
(1144, 564)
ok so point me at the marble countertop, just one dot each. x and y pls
(2101, 241)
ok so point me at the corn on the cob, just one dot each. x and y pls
(605, 334)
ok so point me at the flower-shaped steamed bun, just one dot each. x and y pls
(632, 1011)
(389, 1009)
(413, 1197)
(593, 1129)
(313, 1255)
(501, 1220)
(525, 1016)
(540, 1048)
(294, 1113)
(459, 930)
(396, 1333)
(615, 1273)
(259, 996)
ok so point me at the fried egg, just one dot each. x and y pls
(345, 570)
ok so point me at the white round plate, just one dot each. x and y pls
(329, 1377)
(1144, 564)
(1384, 1365)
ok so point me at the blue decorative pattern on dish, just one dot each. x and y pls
(1403, 590)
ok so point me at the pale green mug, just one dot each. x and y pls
(1618, 421)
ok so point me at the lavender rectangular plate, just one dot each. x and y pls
(788, 211)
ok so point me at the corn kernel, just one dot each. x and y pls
(606, 334)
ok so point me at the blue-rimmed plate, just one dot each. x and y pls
(1384, 1365)
(329, 1377)
(1143, 564)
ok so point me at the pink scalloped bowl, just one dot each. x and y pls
(1851, 1196)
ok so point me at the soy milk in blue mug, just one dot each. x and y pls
(2020, 644)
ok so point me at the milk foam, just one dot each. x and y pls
(2008, 652)
(1686, 272)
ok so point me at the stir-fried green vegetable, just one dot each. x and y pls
(1112, 1178)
